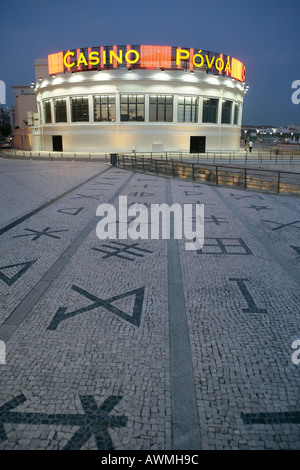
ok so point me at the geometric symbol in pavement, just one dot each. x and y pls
(259, 208)
(206, 203)
(85, 195)
(9, 280)
(95, 189)
(225, 248)
(101, 182)
(296, 248)
(95, 420)
(280, 225)
(38, 233)
(252, 307)
(192, 193)
(122, 248)
(292, 417)
(71, 211)
(134, 318)
(197, 186)
(143, 194)
(146, 185)
(146, 204)
(237, 197)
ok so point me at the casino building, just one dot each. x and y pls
(138, 98)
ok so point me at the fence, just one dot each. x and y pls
(256, 179)
(63, 156)
(258, 156)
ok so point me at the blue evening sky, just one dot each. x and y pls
(264, 35)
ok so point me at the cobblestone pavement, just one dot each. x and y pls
(141, 344)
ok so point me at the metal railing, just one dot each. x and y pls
(256, 179)
(46, 155)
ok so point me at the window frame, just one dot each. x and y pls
(194, 108)
(211, 109)
(226, 112)
(55, 108)
(105, 106)
(160, 106)
(132, 104)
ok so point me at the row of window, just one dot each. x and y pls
(132, 108)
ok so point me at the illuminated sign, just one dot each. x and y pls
(145, 57)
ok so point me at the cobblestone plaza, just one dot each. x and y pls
(141, 344)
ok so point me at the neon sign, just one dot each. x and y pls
(145, 57)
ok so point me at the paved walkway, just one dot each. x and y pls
(141, 344)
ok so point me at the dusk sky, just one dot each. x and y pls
(263, 35)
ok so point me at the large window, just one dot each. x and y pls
(132, 108)
(187, 109)
(161, 108)
(60, 110)
(47, 112)
(236, 113)
(226, 112)
(79, 109)
(210, 110)
(104, 108)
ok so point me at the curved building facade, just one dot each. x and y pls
(140, 98)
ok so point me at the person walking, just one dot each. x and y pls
(250, 145)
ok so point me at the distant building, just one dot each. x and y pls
(24, 117)
(271, 134)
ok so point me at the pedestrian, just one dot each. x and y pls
(250, 145)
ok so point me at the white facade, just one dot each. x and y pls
(140, 136)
